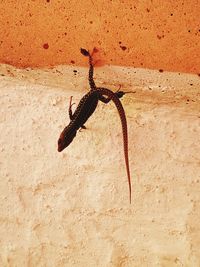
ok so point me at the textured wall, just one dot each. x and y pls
(72, 208)
(151, 34)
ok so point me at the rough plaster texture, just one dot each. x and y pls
(72, 208)
(154, 34)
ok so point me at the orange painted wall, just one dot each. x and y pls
(153, 34)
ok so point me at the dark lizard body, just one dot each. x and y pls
(85, 109)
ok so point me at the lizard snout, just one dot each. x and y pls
(60, 147)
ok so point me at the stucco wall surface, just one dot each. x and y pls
(152, 34)
(72, 208)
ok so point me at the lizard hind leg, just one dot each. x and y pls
(107, 99)
(91, 67)
(85, 52)
(95, 50)
(119, 93)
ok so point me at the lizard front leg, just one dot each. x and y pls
(70, 111)
(70, 108)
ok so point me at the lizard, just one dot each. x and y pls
(85, 109)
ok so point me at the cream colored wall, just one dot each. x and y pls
(72, 208)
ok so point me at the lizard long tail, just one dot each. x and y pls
(122, 115)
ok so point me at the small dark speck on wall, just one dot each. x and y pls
(72, 61)
(46, 46)
(160, 36)
(161, 70)
(75, 72)
(48, 1)
(123, 47)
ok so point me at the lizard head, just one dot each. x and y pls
(66, 138)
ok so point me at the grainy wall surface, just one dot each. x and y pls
(72, 208)
(153, 34)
